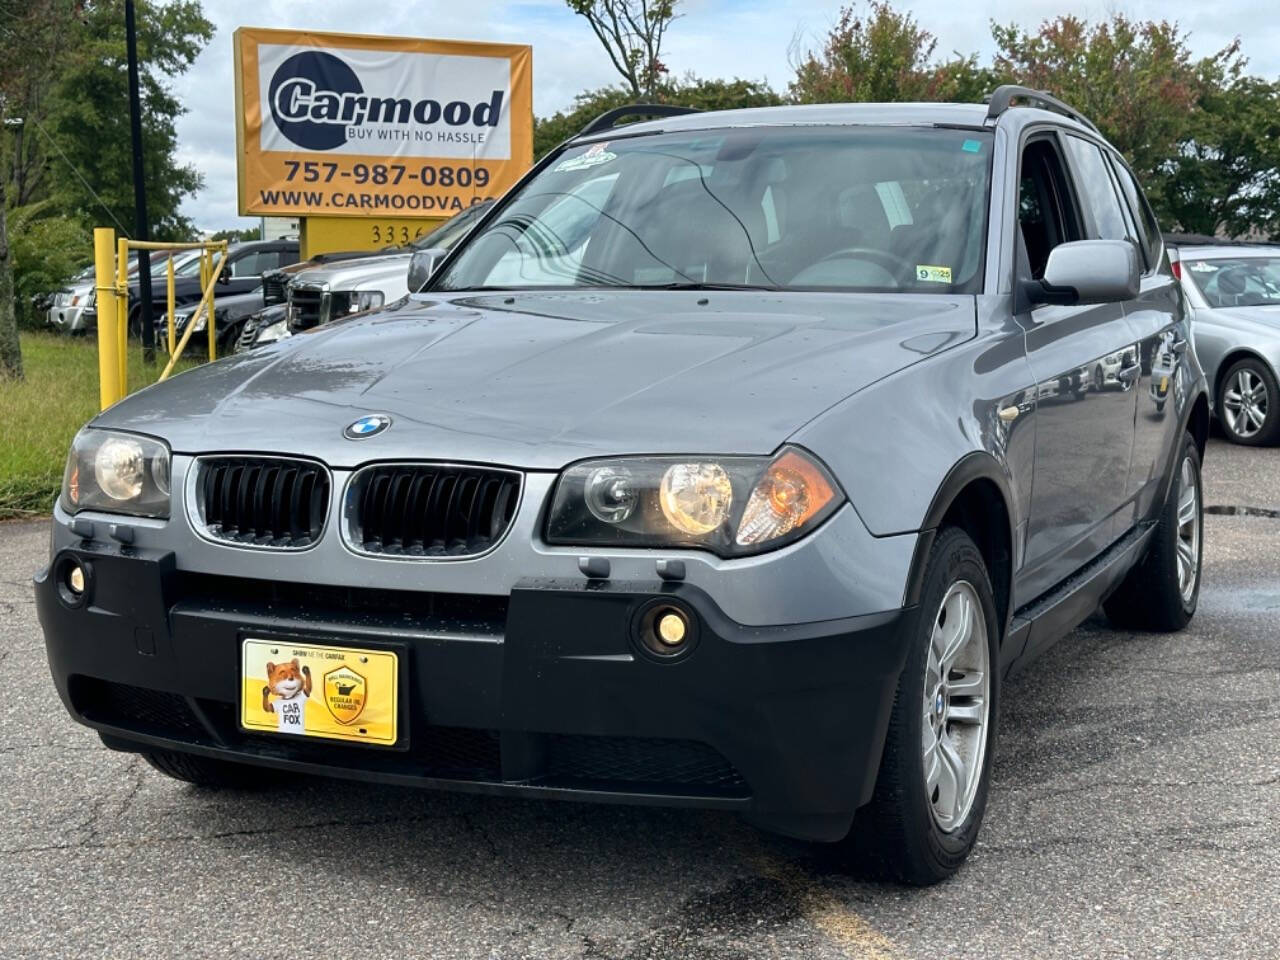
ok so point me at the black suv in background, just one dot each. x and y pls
(246, 263)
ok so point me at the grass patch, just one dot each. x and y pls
(40, 414)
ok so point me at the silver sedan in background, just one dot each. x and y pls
(1234, 293)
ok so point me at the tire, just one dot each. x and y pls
(902, 833)
(207, 772)
(1247, 393)
(1157, 594)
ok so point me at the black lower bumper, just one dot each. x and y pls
(546, 692)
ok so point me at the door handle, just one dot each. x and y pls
(1008, 414)
(1129, 374)
(1179, 347)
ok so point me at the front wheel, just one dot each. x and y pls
(1162, 591)
(931, 791)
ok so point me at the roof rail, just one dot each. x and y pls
(1002, 99)
(609, 118)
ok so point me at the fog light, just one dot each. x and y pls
(75, 579)
(672, 629)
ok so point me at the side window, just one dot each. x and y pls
(1094, 182)
(1148, 227)
(1046, 210)
(246, 265)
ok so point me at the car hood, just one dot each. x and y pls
(1267, 316)
(344, 273)
(538, 380)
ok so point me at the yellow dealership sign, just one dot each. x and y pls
(346, 125)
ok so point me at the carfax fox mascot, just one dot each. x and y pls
(291, 685)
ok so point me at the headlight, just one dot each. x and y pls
(343, 303)
(271, 333)
(365, 300)
(116, 473)
(731, 506)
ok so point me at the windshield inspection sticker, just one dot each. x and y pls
(595, 155)
(971, 146)
(929, 274)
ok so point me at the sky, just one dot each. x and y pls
(752, 39)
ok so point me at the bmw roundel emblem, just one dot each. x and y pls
(366, 427)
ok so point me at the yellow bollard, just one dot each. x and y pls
(104, 280)
(122, 311)
(171, 299)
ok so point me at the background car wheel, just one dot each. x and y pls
(1162, 591)
(931, 790)
(1247, 404)
(207, 772)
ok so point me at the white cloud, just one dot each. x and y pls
(713, 38)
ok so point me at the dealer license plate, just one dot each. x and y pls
(336, 693)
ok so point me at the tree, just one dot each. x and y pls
(1201, 134)
(883, 56)
(689, 91)
(46, 252)
(233, 235)
(1225, 176)
(89, 115)
(31, 36)
(631, 33)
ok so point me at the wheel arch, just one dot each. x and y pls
(972, 491)
(1230, 359)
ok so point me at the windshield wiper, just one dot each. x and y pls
(699, 285)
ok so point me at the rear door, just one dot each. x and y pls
(1085, 363)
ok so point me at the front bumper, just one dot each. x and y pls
(541, 691)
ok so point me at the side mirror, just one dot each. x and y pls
(224, 277)
(422, 264)
(1087, 271)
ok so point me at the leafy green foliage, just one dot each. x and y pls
(881, 57)
(689, 91)
(1226, 173)
(90, 118)
(46, 254)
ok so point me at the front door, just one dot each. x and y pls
(1159, 321)
(1086, 365)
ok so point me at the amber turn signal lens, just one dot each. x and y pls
(792, 492)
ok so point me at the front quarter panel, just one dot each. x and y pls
(893, 444)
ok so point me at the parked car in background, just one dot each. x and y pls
(732, 487)
(1234, 292)
(332, 291)
(275, 283)
(268, 325)
(230, 314)
(246, 262)
(336, 290)
(66, 307)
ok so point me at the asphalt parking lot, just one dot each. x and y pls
(1135, 812)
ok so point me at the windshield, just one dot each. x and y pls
(1237, 281)
(188, 264)
(447, 235)
(843, 208)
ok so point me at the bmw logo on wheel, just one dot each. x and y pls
(366, 427)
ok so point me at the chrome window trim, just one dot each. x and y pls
(195, 515)
(347, 509)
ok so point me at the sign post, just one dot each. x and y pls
(395, 131)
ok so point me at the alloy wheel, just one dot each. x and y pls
(957, 695)
(1189, 522)
(1245, 403)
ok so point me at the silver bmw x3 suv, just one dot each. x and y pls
(734, 461)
